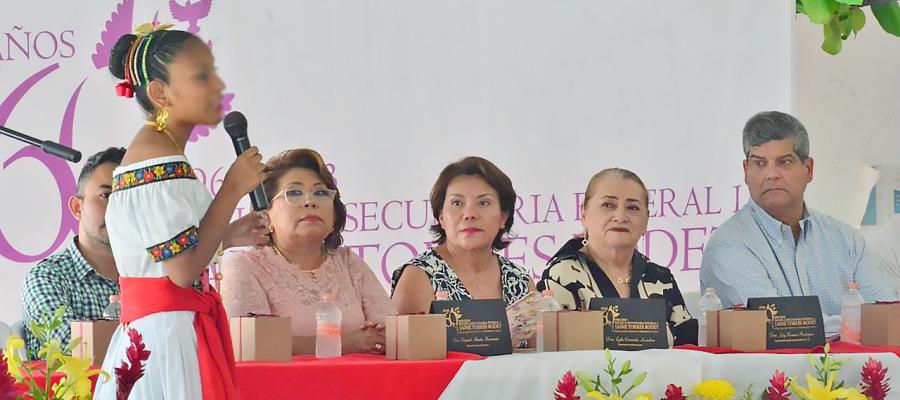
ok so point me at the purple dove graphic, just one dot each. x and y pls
(203, 130)
(190, 12)
(118, 24)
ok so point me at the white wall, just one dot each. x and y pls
(850, 104)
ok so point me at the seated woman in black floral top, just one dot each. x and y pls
(604, 263)
(473, 202)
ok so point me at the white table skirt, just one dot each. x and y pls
(534, 376)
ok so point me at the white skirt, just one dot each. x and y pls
(172, 371)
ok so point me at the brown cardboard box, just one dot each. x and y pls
(572, 330)
(261, 338)
(880, 324)
(95, 337)
(739, 329)
(415, 337)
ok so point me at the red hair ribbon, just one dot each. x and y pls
(124, 89)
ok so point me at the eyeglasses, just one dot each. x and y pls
(297, 196)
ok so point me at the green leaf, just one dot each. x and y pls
(37, 330)
(59, 313)
(639, 380)
(585, 380)
(851, 2)
(819, 11)
(857, 19)
(626, 368)
(608, 355)
(888, 16)
(600, 388)
(73, 344)
(846, 27)
(832, 43)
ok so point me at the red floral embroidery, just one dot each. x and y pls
(153, 173)
(174, 246)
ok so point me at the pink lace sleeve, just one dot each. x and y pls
(242, 291)
(375, 301)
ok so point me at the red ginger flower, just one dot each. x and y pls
(674, 393)
(874, 384)
(128, 375)
(8, 389)
(565, 389)
(777, 389)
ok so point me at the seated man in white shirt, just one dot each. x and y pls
(778, 246)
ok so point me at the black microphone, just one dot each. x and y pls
(236, 126)
(52, 148)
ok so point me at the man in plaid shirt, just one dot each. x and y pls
(83, 275)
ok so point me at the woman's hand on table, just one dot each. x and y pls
(369, 338)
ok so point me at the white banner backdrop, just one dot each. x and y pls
(390, 92)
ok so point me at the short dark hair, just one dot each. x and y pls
(775, 125)
(311, 160)
(110, 155)
(493, 176)
(160, 50)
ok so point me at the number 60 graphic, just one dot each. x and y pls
(58, 168)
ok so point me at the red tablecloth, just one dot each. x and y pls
(836, 348)
(348, 377)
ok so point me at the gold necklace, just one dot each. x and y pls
(165, 132)
(619, 279)
(313, 273)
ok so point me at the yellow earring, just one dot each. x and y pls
(162, 117)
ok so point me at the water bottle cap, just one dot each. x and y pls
(328, 297)
(710, 290)
(547, 293)
(853, 285)
(113, 297)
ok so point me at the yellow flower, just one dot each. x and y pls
(11, 353)
(816, 391)
(715, 389)
(77, 370)
(644, 396)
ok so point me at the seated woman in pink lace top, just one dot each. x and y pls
(306, 260)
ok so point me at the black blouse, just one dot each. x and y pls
(575, 279)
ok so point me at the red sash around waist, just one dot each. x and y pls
(145, 296)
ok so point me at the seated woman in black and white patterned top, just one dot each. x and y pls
(604, 263)
(473, 202)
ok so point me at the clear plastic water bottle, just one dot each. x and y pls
(114, 309)
(548, 304)
(708, 302)
(328, 328)
(850, 314)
